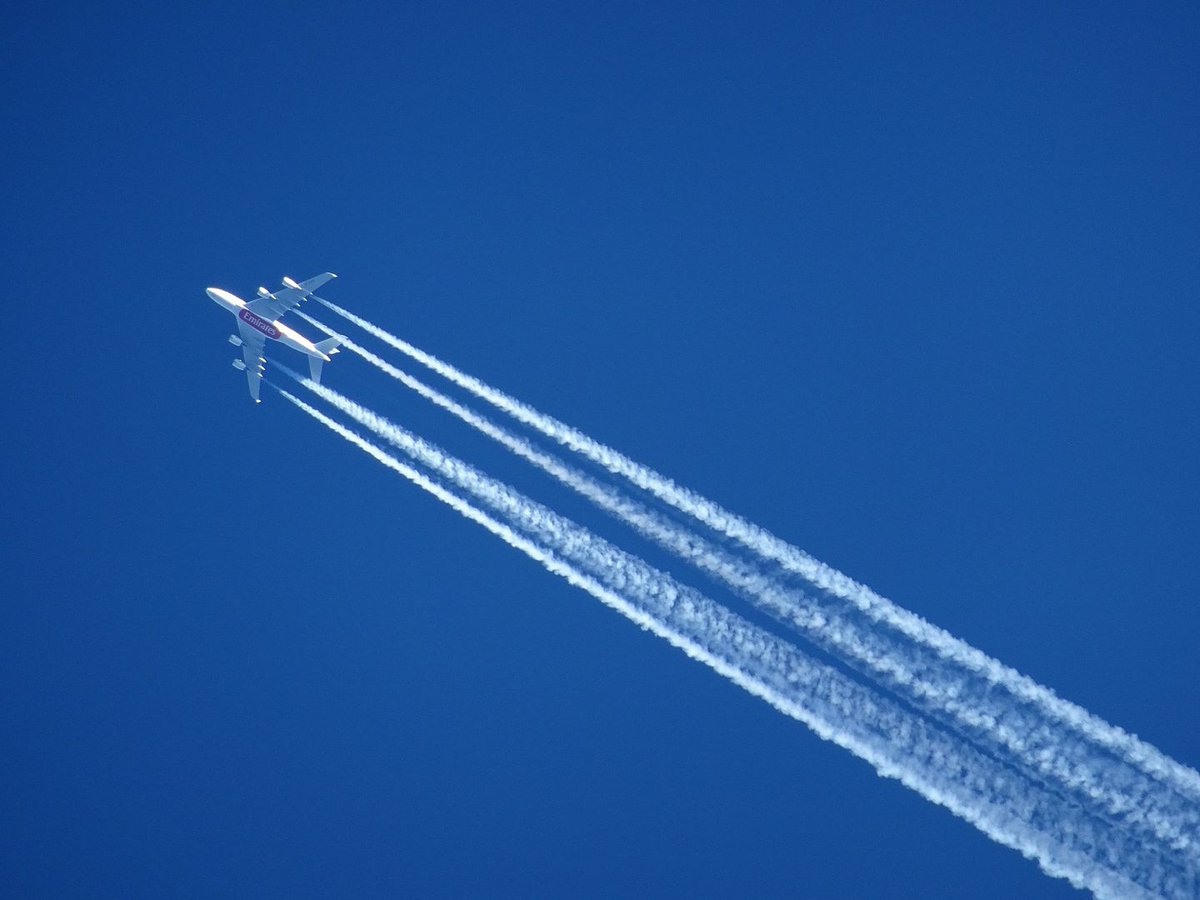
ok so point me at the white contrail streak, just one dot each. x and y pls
(996, 722)
(1060, 837)
(1180, 777)
(595, 555)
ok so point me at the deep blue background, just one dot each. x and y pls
(915, 289)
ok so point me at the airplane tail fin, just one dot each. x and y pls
(329, 346)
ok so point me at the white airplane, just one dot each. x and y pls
(259, 320)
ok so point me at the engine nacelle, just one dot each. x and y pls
(289, 283)
(263, 292)
(235, 340)
(239, 365)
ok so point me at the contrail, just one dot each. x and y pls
(595, 555)
(996, 724)
(1064, 840)
(1150, 759)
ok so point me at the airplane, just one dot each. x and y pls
(259, 320)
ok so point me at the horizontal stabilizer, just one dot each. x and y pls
(328, 347)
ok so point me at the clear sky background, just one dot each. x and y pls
(915, 288)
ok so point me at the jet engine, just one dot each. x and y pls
(239, 365)
(235, 340)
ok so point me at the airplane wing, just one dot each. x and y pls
(272, 306)
(252, 353)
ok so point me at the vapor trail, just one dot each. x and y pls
(996, 723)
(1150, 759)
(1064, 840)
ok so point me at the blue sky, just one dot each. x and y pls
(914, 290)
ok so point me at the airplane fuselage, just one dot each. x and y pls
(276, 331)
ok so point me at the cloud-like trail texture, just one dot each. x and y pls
(997, 723)
(1061, 837)
(1178, 777)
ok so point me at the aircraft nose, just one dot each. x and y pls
(224, 299)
